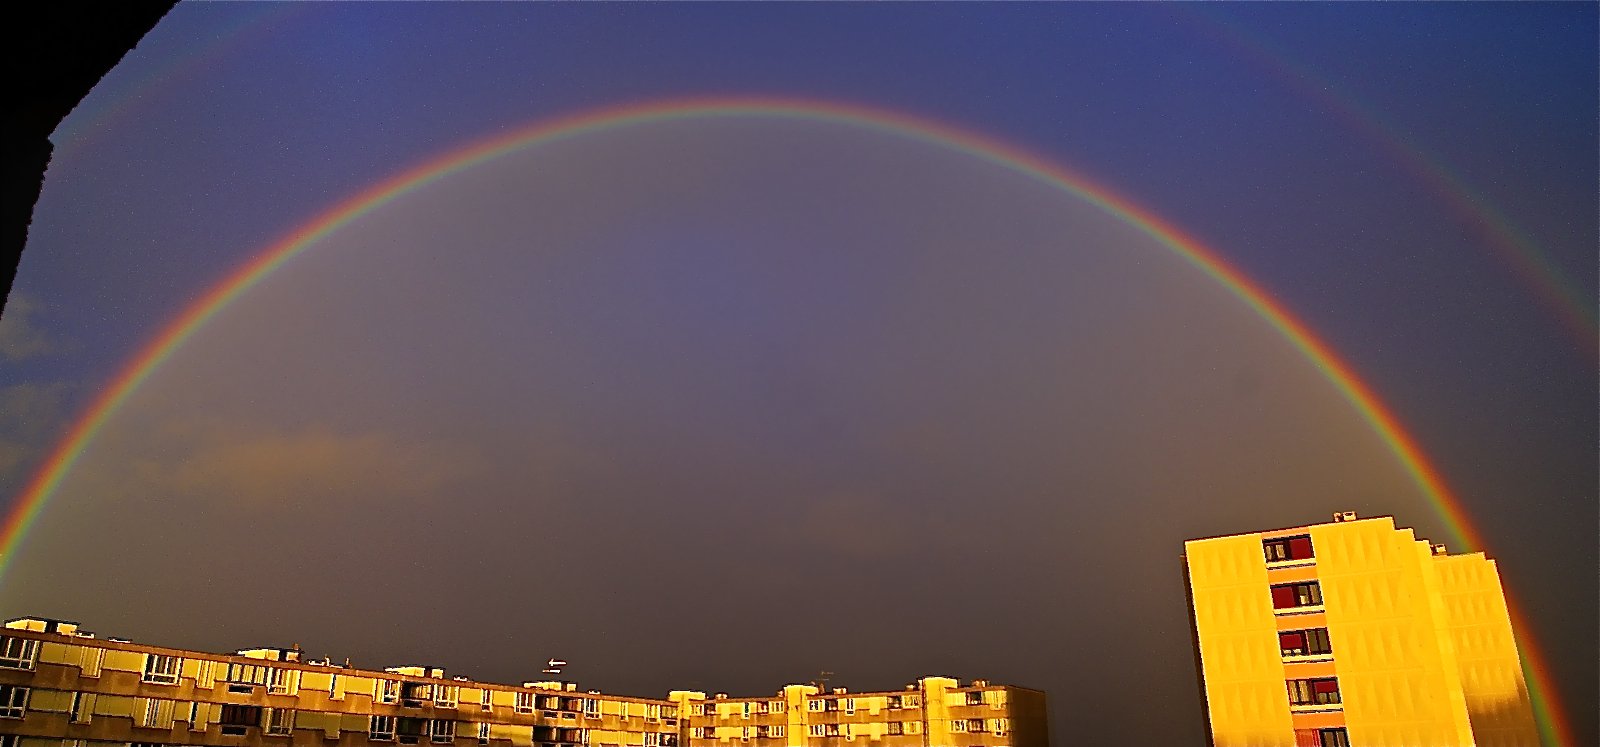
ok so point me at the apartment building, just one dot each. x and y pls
(1354, 632)
(63, 687)
(931, 711)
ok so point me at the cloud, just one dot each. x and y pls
(30, 413)
(20, 338)
(259, 469)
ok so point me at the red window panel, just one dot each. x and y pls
(1295, 641)
(1307, 738)
(1300, 548)
(1325, 687)
(1283, 597)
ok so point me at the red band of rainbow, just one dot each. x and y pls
(1383, 422)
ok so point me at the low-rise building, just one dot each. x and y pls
(62, 687)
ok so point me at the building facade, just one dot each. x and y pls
(1357, 633)
(61, 687)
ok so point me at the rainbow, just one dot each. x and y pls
(1381, 420)
(1515, 246)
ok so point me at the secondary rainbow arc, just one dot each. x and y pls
(1381, 420)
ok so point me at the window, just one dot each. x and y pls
(280, 681)
(18, 653)
(334, 693)
(831, 730)
(92, 659)
(1312, 642)
(247, 674)
(622, 711)
(483, 731)
(911, 701)
(386, 691)
(155, 713)
(591, 708)
(850, 705)
(412, 694)
(1335, 737)
(1285, 549)
(958, 726)
(235, 719)
(1290, 596)
(524, 703)
(443, 731)
(777, 706)
(652, 739)
(1320, 691)
(10, 740)
(13, 701)
(280, 721)
(1002, 726)
(698, 709)
(652, 712)
(381, 729)
(484, 700)
(411, 730)
(975, 698)
(700, 732)
(816, 706)
(817, 730)
(748, 708)
(913, 727)
(83, 710)
(974, 725)
(896, 728)
(776, 730)
(669, 711)
(162, 670)
(195, 723)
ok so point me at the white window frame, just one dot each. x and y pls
(486, 699)
(776, 706)
(13, 701)
(816, 705)
(442, 727)
(591, 708)
(376, 733)
(850, 706)
(818, 731)
(334, 691)
(652, 739)
(18, 653)
(776, 730)
(483, 731)
(524, 703)
(698, 709)
(162, 669)
(446, 696)
(280, 681)
(652, 712)
(279, 722)
(385, 691)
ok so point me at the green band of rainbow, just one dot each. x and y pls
(1336, 371)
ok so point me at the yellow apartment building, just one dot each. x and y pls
(1353, 632)
(930, 711)
(62, 687)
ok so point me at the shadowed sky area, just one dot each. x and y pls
(720, 403)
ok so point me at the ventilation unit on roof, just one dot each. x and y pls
(1344, 516)
(980, 683)
(1440, 549)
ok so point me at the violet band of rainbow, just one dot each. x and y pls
(1382, 421)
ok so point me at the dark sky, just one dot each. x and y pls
(724, 402)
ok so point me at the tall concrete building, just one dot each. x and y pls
(62, 687)
(1356, 633)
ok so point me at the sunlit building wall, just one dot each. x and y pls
(932, 711)
(1353, 632)
(61, 687)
